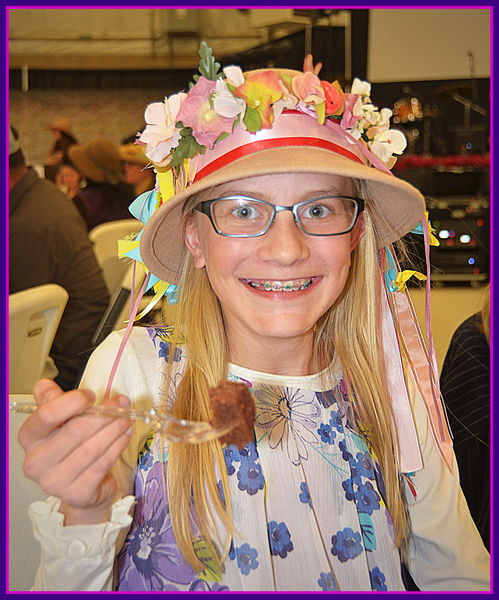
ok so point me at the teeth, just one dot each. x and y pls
(291, 285)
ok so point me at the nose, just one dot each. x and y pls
(284, 242)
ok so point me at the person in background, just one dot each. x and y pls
(69, 180)
(106, 196)
(48, 243)
(137, 168)
(465, 385)
(63, 139)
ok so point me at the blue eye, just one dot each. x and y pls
(316, 211)
(245, 212)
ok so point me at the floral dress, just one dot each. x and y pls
(306, 495)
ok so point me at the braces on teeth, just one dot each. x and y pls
(279, 286)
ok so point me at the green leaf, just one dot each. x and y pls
(208, 67)
(222, 136)
(187, 148)
(252, 119)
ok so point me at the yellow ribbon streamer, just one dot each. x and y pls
(160, 289)
(166, 183)
(433, 240)
(125, 246)
(403, 276)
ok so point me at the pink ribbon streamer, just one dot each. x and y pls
(423, 373)
(408, 444)
(126, 335)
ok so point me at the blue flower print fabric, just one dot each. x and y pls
(306, 497)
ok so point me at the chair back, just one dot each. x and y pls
(24, 548)
(34, 315)
(105, 240)
(116, 315)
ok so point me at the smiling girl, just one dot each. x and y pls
(272, 226)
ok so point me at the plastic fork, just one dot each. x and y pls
(175, 430)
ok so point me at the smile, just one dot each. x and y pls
(273, 285)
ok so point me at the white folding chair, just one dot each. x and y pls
(105, 240)
(24, 549)
(34, 315)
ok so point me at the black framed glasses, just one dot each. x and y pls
(243, 216)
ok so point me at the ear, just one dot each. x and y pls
(193, 244)
(357, 232)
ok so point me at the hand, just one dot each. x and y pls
(70, 455)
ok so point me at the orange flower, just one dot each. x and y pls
(334, 98)
(260, 91)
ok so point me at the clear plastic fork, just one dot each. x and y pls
(174, 430)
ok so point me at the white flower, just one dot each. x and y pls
(234, 75)
(383, 123)
(289, 418)
(387, 143)
(356, 132)
(370, 115)
(224, 103)
(363, 88)
(160, 135)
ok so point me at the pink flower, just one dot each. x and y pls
(334, 97)
(308, 65)
(308, 88)
(352, 110)
(196, 112)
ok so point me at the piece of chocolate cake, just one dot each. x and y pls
(232, 404)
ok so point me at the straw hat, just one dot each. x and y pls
(296, 141)
(135, 154)
(99, 161)
(61, 124)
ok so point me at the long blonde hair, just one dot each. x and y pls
(349, 330)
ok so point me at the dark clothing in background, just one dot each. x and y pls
(102, 202)
(465, 385)
(48, 243)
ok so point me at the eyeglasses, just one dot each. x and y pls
(243, 216)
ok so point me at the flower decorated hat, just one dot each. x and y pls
(232, 125)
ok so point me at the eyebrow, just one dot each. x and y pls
(228, 190)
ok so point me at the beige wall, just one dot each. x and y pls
(425, 44)
(450, 306)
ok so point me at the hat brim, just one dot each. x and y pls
(400, 205)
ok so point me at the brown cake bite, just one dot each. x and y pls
(232, 404)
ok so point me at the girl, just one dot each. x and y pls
(272, 226)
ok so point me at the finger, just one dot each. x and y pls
(70, 437)
(93, 454)
(55, 409)
(46, 390)
(94, 485)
